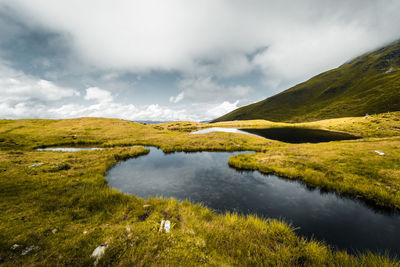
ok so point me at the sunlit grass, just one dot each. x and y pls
(65, 208)
(347, 167)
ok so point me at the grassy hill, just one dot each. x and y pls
(367, 84)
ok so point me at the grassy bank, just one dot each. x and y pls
(351, 167)
(379, 125)
(30, 134)
(62, 209)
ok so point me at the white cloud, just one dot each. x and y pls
(23, 95)
(112, 109)
(176, 99)
(207, 42)
(95, 93)
(221, 109)
(26, 97)
(153, 112)
(206, 90)
(16, 87)
(215, 37)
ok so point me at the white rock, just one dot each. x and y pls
(390, 70)
(36, 165)
(167, 226)
(29, 249)
(161, 226)
(99, 252)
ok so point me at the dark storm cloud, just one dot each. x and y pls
(179, 35)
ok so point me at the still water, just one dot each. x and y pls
(206, 177)
(68, 149)
(287, 134)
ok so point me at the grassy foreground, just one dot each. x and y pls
(59, 212)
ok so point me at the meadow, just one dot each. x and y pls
(57, 206)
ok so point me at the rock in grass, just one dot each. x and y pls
(99, 252)
(161, 225)
(14, 247)
(165, 225)
(29, 249)
(36, 165)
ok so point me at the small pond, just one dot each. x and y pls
(287, 134)
(220, 129)
(206, 177)
(68, 149)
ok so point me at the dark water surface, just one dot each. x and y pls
(206, 177)
(300, 135)
(287, 134)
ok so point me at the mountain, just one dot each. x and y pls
(368, 84)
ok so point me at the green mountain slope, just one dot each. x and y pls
(367, 84)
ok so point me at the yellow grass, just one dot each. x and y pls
(65, 209)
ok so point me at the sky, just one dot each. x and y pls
(166, 60)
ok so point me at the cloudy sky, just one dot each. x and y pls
(174, 59)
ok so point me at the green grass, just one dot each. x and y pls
(29, 134)
(367, 84)
(347, 167)
(65, 209)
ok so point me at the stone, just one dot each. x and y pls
(99, 252)
(29, 249)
